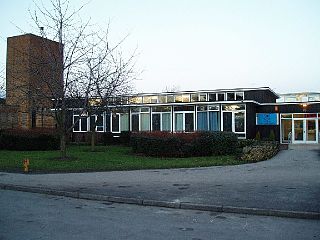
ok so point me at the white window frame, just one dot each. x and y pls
(80, 120)
(233, 125)
(103, 122)
(184, 121)
(111, 124)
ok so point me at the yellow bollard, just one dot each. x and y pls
(26, 165)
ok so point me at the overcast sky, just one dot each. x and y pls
(205, 44)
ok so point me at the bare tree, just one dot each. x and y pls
(2, 83)
(83, 68)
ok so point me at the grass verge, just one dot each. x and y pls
(106, 158)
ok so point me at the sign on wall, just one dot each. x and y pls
(267, 119)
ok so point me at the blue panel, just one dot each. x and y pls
(267, 119)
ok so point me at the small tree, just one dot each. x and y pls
(83, 68)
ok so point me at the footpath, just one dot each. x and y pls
(287, 185)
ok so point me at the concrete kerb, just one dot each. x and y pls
(166, 204)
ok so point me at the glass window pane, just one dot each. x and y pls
(213, 107)
(202, 121)
(227, 121)
(135, 122)
(178, 98)
(194, 97)
(239, 121)
(220, 96)
(202, 108)
(203, 97)
(166, 121)
(146, 99)
(178, 122)
(124, 122)
(115, 122)
(286, 115)
(77, 124)
(186, 98)
(170, 98)
(239, 96)
(83, 123)
(230, 96)
(189, 122)
(145, 121)
(183, 108)
(214, 121)
(156, 122)
(135, 100)
(233, 107)
(212, 97)
(161, 109)
(107, 119)
(162, 99)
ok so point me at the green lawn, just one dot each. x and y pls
(106, 158)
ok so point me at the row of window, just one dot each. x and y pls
(181, 98)
(183, 119)
(300, 97)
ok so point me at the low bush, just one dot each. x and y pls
(166, 144)
(260, 151)
(26, 140)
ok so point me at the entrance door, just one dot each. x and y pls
(305, 131)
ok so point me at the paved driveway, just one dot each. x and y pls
(289, 181)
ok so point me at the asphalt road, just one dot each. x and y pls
(290, 181)
(37, 216)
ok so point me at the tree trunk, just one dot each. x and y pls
(63, 146)
(93, 140)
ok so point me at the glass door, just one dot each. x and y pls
(311, 130)
(298, 133)
(305, 131)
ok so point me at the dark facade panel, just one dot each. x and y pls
(260, 96)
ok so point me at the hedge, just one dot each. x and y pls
(165, 144)
(26, 140)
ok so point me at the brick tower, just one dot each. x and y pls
(33, 79)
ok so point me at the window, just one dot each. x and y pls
(170, 98)
(194, 97)
(161, 118)
(202, 97)
(212, 97)
(115, 122)
(220, 96)
(150, 99)
(234, 120)
(145, 121)
(202, 121)
(135, 100)
(156, 122)
(81, 123)
(96, 121)
(227, 121)
(182, 98)
(184, 121)
(124, 122)
(162, 99)
(76, 122)
(286, 130)
(239, 122)
(230, 96)
(135, 122)
(239, 96)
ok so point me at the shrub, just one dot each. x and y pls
(166, 144)
(26, 140)
(272, 136)
(259, 152)
(258, 136)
